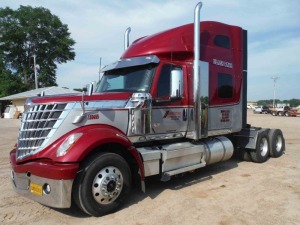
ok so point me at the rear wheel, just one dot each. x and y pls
(261, 153)
(280, 114)
(277, 143)
(102, 184)
(287, 114)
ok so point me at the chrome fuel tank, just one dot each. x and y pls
(218, 149)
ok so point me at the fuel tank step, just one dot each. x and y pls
(166, 176)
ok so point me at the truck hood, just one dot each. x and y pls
(78, 97)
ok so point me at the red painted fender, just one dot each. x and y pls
(92, 137)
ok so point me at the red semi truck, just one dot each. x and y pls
(285, 111)
(174, 102)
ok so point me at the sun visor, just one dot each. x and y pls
(128, 62)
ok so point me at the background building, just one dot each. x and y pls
(18, 100)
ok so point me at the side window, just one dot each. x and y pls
(225, 89)
(222, 41)
(163, 87)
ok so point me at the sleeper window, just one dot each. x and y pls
(225, 89)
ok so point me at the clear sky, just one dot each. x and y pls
(98, 28)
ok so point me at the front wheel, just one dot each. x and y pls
(261, 153)
(102, 185)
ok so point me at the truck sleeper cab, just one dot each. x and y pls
(153, 113)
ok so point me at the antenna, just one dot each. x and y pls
(172, 47)
(100, 69)
(274, 79)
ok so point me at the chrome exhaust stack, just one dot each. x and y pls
(126, 38)
(197, 100)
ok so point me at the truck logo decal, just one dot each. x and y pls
(172, 115)
(222, 63)
(93, 117)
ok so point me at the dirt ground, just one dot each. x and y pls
(232, 192)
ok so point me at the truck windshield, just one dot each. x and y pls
(129, 79)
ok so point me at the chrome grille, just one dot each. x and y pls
(38, 125)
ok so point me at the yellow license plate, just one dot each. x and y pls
(36, 189)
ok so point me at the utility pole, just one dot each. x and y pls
(35, 75)
(274, 79)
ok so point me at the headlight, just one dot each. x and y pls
(66, 145)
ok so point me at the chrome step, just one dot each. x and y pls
(166, 176)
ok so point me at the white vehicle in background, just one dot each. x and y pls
(261, 109)
(251, 107)
(10, 111)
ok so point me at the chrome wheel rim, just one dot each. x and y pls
(278, 144)
(107, 185)
(263, 146)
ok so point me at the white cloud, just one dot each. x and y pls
(276, 59)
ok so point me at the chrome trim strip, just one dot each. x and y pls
(219, 132)
(102, 104)
(155, 137)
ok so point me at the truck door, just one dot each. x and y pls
(169, 115)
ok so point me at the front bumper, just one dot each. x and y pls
(44, 181)
(58, 196)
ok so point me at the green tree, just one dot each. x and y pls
(10, 83)
(29, 31)
(267, 102)
(294, 102)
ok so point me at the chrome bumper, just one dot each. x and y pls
(58, 196)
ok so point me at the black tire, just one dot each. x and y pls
(287, 114)
(261, 153)
(102, 184)
(277, 143)
(274, 114)
(280, 114)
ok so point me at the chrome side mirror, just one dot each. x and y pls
(176, 83)
(89, 88)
